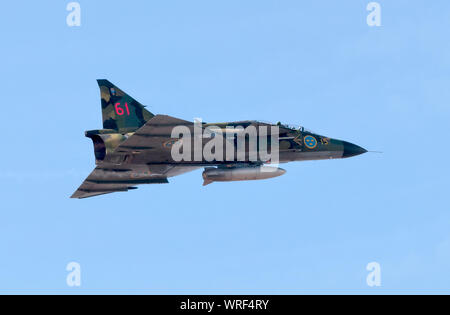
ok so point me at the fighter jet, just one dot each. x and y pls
(137, 147)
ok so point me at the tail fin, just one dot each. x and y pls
(120, 111)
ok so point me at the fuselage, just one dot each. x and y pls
(293, 144)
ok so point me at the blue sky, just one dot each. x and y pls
(313, 230)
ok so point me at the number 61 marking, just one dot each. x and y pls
(120, 111)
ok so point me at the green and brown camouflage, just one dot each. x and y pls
(120, 111)
(135, 147)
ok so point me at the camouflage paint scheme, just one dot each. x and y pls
(111, 95)
(134, 146)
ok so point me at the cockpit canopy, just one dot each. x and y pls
(293, 127)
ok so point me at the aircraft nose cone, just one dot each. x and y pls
(351, 149)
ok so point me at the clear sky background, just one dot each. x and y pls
(314, 63)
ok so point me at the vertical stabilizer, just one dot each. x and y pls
(120, 111)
